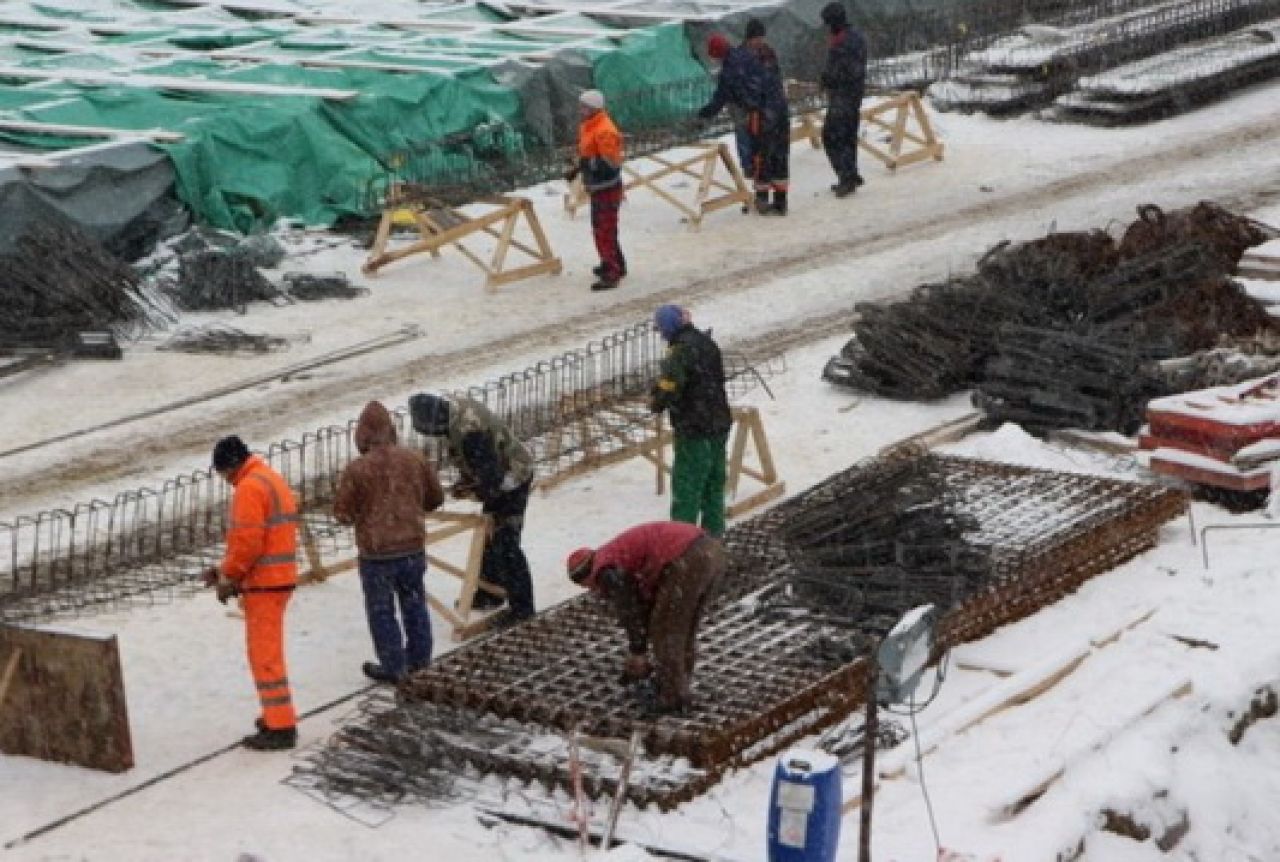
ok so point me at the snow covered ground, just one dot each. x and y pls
(1089, 739)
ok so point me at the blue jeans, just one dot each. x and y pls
(384, 582)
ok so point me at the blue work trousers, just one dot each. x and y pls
(385, 582)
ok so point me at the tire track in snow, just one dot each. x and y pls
(111, 461)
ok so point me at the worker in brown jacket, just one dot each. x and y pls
(658, 577)
(260, 564)
(386, 493)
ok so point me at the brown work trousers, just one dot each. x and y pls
(673, 625)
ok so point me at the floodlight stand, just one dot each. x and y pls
(869, 731)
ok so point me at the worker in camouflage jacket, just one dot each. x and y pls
(497, 470)
(691, 389)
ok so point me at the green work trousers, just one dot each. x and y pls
(697, 482)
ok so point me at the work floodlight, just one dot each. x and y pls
(904, 654)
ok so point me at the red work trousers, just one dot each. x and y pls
(264, 635)
(605, 204)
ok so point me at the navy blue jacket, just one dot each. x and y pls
(741, 83)
(845, 75)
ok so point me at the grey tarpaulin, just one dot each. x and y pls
(122, 196)
(549, 93)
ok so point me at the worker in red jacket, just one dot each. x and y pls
(260, 565)
(658, 578)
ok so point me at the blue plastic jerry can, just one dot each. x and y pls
(804, 807)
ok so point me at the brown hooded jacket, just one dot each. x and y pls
(386, 491)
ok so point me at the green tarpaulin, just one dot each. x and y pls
(248, 159)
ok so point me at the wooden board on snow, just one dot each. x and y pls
(64, 699)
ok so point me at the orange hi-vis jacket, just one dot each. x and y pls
(598, 138)
(262, 541)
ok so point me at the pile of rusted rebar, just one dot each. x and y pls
(1062, 330)
(58, 282)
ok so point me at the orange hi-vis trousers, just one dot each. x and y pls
(264, 633)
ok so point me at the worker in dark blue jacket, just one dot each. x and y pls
(750, 84)
(844, 81)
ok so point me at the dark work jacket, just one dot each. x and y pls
(691, 386)
(845, 74)
(772, 88)
(741, 83)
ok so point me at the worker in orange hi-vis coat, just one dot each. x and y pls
(260, 565)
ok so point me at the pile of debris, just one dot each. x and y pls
(212, 270)
(62, 293)
(1066, 330)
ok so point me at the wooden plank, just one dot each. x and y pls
(170, 82)
(10, 674)
(1029, 789)
(71, 131)
(65, 700)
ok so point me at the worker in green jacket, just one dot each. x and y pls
(691, 389)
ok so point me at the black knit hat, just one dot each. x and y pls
(834, 16)
(229, 453)
(755, 28)
(430, 414)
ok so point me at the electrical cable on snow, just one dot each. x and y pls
(170, 773)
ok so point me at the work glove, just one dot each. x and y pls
(209, 576)
(636, 668)
(571, 174)
(227, 589)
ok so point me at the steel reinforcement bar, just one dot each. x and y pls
(146, 545)
(766, 679)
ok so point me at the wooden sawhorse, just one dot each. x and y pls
(748, 432)
(748, 429)
(711, 193)
(443, 226)
(921, 141)
(441, 526)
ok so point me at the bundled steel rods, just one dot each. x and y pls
(58, 282)
(1061, 330)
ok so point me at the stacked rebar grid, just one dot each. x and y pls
(1005, 542)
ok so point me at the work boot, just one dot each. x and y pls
(605, 283)
(857, 181)
(762, 202)
(378, 673)
(844, 188)
(482, 601)
(599, 271)
(779, 204)
(508, 619)
(269, 739)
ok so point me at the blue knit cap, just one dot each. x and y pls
(668, 319)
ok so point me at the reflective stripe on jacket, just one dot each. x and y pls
(599, 152)
(262, 539)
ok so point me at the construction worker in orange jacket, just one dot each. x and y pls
(260, 566)
(600, 166)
